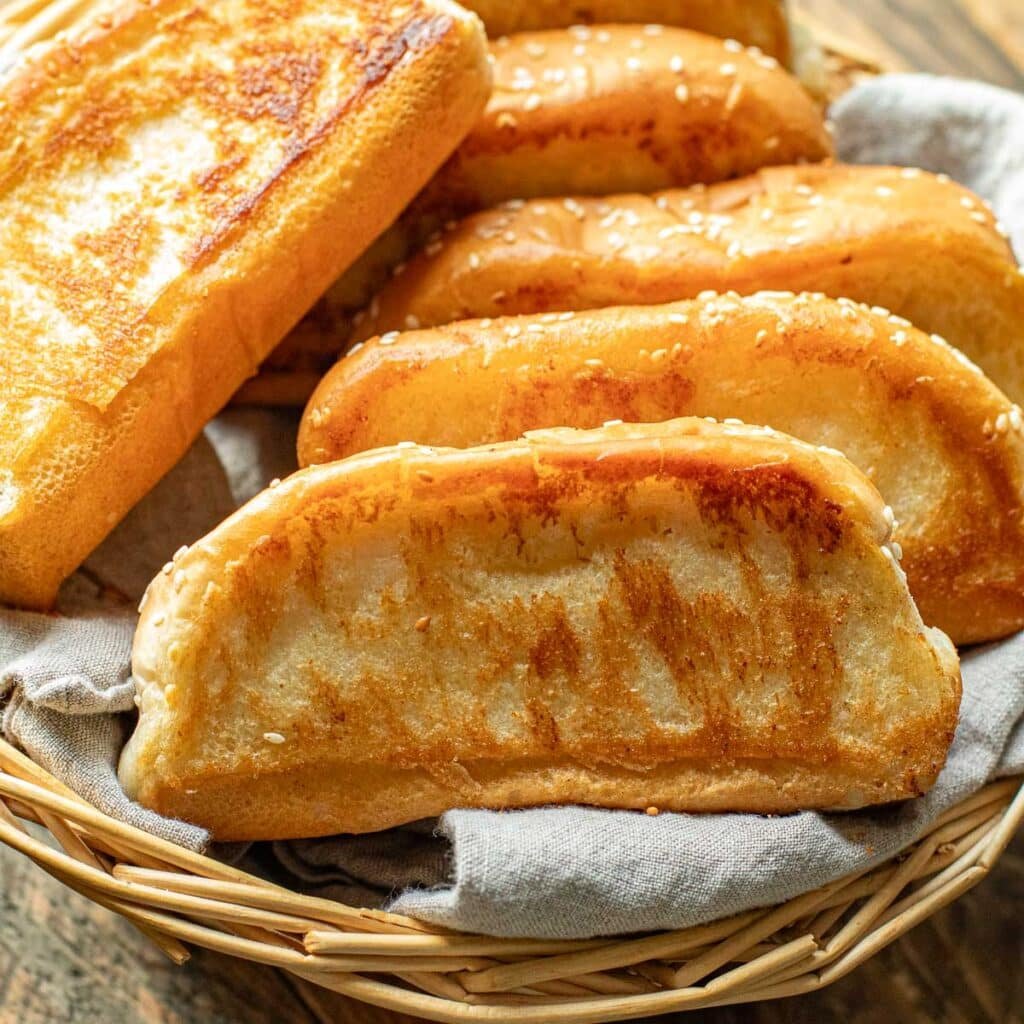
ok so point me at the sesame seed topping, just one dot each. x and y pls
(653, 30)
(678, 318)
(682, 92)
(733, 45)
(532, 101)
(910, 172)
(676, 64)
(535, 49)
(273, 737)
(727, 69)
(634, 63)
(900, 337)
(474, 261)
(423, 623)
(979, 217)
(883, 191)
(406, 444)
(967, 202)
(612, 423)
(596, 363)
(427, 478)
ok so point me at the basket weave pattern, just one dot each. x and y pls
(177, 898)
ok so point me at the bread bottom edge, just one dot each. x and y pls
(328, 799)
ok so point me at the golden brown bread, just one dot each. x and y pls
(177, 185)
(902, 239)
(604, 114)
(691, 615)
(760, 23)
(941, 443)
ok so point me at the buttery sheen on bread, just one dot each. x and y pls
(901, 239)
(697, 616)
(760, 23)
(178, 183)
(941, 442)
(595, 111)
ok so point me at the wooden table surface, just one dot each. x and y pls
(62, 959)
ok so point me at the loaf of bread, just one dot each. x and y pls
(178, 183)
(760, 23)
(693, 616)
(907, 241)
(590, 111)
(942, 444)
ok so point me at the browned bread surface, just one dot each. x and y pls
(905, 240)
(942, 444)
(594, 111)
(760, 23)
(178, 183)
(697, 616)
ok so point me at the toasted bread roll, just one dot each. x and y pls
(760, 23)
(942, 444)
(177, 185)
(620, 110)
(907, 241)
(695, 616)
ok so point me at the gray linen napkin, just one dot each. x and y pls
(549, 872)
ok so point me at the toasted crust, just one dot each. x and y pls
(943, 445)
(760, 23)
(692, 615)
(177, 185)
(916, 244)
(570, 116)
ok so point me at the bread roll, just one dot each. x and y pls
(942, 444)
(694, 616)
(618, 110)
(177, 185)
(916, 244)
(760, 23)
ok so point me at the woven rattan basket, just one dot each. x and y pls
(177, 898)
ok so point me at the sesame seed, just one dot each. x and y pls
(967, 202)
(652, 811)
(406, 444)
(760, 337)
(658, 355)
(634, 63)
(727, 69)
(612, 423)
(733, 98)
(767, 62)
(979, 217)
(676, 64)
(535, 329)
(682, 92)
(733, 45)
(273, 737)
(509, 237)
(678, 318)
(423, 624)
(636, 44)
(734, 250)
(412, 321)
(535, 49)
(910, 172)
(596, 363)
(602, 35)
(900, 338)
(506, 120)
(1016, 420)
(772, 142)
(653, 30)
(513, 330)
(884, 191)
(566, 316)
(474, 261)
(532, 102)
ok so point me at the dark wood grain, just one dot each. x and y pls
(63, 959)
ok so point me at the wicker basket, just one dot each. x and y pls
(177, 898)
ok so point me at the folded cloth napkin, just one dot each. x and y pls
(550, 872)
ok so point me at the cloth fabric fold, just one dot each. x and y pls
(568, 872)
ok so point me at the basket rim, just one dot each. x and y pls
(179, 898)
